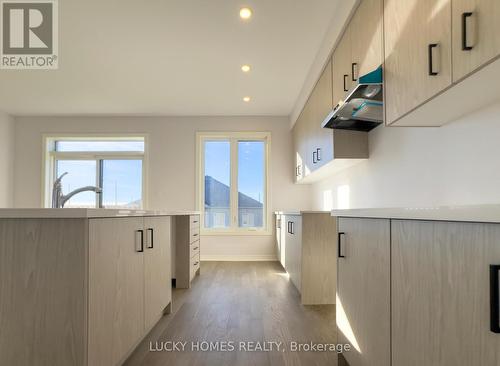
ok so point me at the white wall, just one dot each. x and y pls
(171, 181)
(6, 160)
(458, 163)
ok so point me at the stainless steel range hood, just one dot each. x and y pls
(362, 109)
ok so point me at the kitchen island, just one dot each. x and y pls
(81, 286)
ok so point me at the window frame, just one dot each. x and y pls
(50, 157)
(233, 138)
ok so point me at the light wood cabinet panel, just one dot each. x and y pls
(43, 292)
(300, 141)
(366, 37)
(342, 63)
(363, 291)
(294, 249)
(158, 278)
(320, 144)
(440, 293)
(482, 26)
(116, 289)
(318, 258)
(186, 245)
(410, 28)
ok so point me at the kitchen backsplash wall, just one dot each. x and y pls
(456, 164)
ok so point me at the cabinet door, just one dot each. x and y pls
(116, 289)
(293, 249)
(363, 291)
(283, 241)
(441, 293)
(342, 62)
(321, 140)
(476, 25)
(278, 236)
(416, 32)
(366, 38)
(158, 278)
(298, 135)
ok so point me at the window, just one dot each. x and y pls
(114, 164)
(233, 181)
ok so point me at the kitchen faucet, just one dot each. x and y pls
(59, 200)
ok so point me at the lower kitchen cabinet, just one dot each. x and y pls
(187, 249)
(363, 290)
(308, 254)
(129, 284)
(434, 283)
(293, 240)
(441, 293)
(158, 285)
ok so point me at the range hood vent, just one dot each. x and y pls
(362, 110)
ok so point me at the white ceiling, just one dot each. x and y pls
(181, 57)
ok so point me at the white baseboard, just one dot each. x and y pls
(239, 258)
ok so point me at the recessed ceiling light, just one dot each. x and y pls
(245, 68)
(245, 13)
(246, 99)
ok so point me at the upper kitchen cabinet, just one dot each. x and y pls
(300, 140)
(418, 52)
(366, 38)
(342, 67)
(476, 25)
(320, 146)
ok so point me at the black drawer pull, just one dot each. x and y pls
(431, 61)
(465, 47)
(315, 160)
(354, 67)
(318, 154)
(494, 299)
(151, 237)
(141, 248)
(345, 82)
(339, 244)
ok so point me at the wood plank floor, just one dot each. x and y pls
(240, 301)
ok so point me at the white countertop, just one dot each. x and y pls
(300, 212)
(89, 213)
(477, 213)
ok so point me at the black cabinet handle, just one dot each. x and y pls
(292, 228)
(318, 154)
(141, 232)
(465, 47)
(345, 82)
(431, 62)
(315, 160)
(494, 299)
(353, 71)
(339, 244)
(151, 239)
(288, 227)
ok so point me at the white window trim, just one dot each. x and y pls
(49, 156)
(200, 174)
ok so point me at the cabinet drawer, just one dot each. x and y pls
(194, 249)
(194, 234)
(194, 265)
(194, 221)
